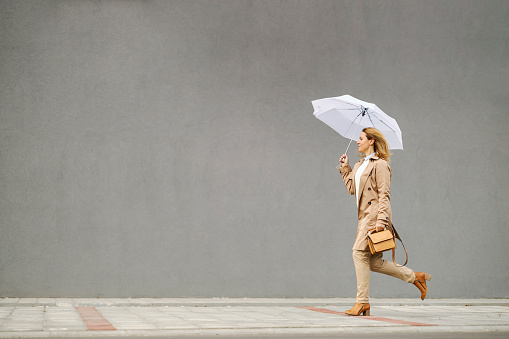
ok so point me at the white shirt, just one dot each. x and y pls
(358, 175)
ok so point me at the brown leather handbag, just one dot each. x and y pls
(380, 241)
(385, 240)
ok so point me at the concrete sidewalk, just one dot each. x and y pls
(76, 317)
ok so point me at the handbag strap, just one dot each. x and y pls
(396, 235)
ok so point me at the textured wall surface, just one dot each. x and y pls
(168, 148)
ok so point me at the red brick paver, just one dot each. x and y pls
(93, 319)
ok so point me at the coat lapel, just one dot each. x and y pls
(365, 175)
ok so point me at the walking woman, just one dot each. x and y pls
(370, 181)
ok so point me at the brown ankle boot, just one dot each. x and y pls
(359, 308)
(420, 282)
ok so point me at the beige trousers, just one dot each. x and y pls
(365, 262)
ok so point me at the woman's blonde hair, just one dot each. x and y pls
(381, 145)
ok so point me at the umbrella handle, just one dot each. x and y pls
(343, 160)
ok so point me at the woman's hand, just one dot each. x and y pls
(379, 228)
(344, 160)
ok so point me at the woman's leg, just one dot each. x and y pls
(377, 264)
(361, 261)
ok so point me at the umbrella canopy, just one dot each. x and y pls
(348, 116)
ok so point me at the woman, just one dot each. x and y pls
(370, 181)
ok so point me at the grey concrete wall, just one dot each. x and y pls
(168, 148)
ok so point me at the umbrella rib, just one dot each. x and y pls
(352, 123)
(383, 122)
(349, 103)
(369, 116)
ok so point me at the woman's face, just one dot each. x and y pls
(363, 143)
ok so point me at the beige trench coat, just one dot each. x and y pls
(374, 197)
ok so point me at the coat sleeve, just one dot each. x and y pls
(383, 183)
(347, 174)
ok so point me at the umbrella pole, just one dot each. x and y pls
(346, 152)
(354, 133)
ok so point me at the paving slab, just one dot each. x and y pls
(205, 302)
(177, 317)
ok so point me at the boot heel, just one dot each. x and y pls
(427, 276)
(365, 313)
(359, 309)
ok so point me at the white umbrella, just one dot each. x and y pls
(348, 116)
